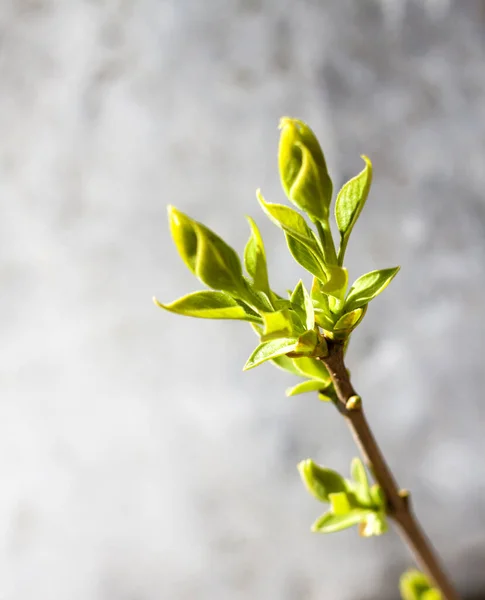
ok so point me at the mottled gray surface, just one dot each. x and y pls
(137, 461)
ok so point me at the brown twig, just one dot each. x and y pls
(399, 507)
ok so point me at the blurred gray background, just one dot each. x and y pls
(137, 461)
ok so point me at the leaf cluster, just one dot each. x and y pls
(414, 585)
(293, 330)
(351, 501)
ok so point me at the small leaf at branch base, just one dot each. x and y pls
(373, 524)
(330, 523)
(305, 386)
(350, 320)
(367, 287)
(211, 305)
(269, 350)
(414, 585)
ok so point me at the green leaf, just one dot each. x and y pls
(270, 350)
(350, 320)
(211, 305)
(414, 585)
(305, 386)
(319, 481)
(301, 300)
(303, 170)
(214, 262)
(277, 325)
(255, 260)
(314, 368)
(340, 503)
(350, 202)
(330, 523)
(367, 287)
(308, 259)
(336, 286)
(286, 364)
(378, 496)
(307, 343)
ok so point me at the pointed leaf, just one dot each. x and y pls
(314, 368)
(378, 496)
(211, 305)
(303, 170)
(362, 488)
(255, 260)
(277, 325)
(269, 350)
(301, 299)
(350, 320)
(307, 258)
(330, 523)
(311, 385)
(319, 481)
(351, 199)
(368, 286)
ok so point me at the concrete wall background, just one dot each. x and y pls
(137, 461)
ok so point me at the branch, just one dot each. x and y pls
(399, 507)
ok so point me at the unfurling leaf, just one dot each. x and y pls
(255, 260)
(320, 482)
(336, 286)
(211, 305)
(303, 170)
(414, 585)
(351, 199)
(277, 325)
(350, 320)
(302, 303)
(214, 262)
(330, 523)
(311, 385)
(367, 287)
(269, 350)
(307, 343)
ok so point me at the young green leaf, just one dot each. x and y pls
(330, 523)
(350, 320)
(214, 262)
(286, 364)
(302, 303)
(350, 202)
(320, 482)
(367, 287)
(303, 170)
(307, 343)
(378, 496)
(277, 325)
(414, 585)
(311, 367)
(255, 260)
(269, 350)
(308, 259)
(305, 386)
(211, 305)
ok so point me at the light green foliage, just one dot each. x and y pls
(303, 170)
(211, 305)
(368, 286)
(350, 202)
(414, 585)
(293, 333)
(351, 500)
